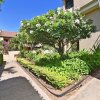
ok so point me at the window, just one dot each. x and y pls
(69, 4)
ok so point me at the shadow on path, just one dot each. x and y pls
(2, 68)
(17, 88)
(8, 70)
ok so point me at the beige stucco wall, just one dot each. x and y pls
(80, 3)
(88, 43)
(95, 16)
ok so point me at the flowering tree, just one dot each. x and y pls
(58, 28)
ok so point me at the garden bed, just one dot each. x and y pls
(68, 91)
(58, 73)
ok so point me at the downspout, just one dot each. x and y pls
(99, 3)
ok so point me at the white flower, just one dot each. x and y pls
(51, 22)
(58, 9)
(84, 22)
(51, 17)
(28, 24)
(21, 22)
(48, 30)
(54, 17)
(81, 18)
(31, 31)
(77, 21)
(45, 24)
(38, 25)
(80, 29)
(65, 12)
(58, 12)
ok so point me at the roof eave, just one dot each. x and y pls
(89, 7)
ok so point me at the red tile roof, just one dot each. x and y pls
(7, 34)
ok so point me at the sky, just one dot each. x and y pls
(13, 11)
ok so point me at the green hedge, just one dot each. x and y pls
(1, 59)
(54, 78)
(92, 59)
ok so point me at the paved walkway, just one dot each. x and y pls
(15, 84)
(90, 91)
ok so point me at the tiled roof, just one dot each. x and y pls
(7, 34)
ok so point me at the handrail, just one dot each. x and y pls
(97, 42)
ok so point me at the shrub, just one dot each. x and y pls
(75, 68)
(48, 59)
(92, 59)
(95, 60)
(51, 66)
(78, 54)
(57, 80)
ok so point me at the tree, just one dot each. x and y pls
(1, 1)
(20, 41)
(58, 28)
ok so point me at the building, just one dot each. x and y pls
(7, 35)
(91, 10)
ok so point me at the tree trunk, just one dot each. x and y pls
(65, 45)
(61, 48)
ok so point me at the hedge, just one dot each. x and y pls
(1, 59)
(54, 78)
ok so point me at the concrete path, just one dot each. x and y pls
(15, 84)
(90, 91)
